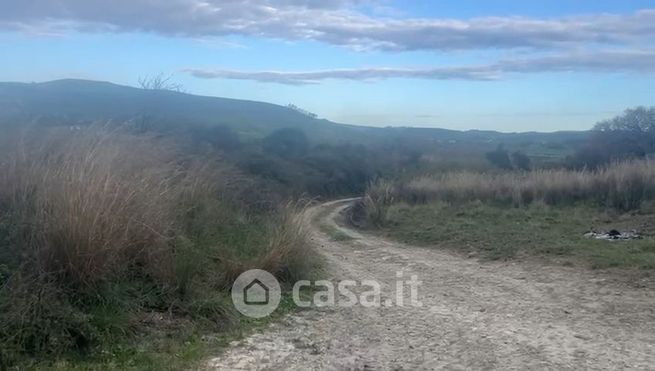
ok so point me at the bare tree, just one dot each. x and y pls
(160, 82)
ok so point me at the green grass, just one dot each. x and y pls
(335, 234)
(330, 230)
(184, 346)
(127, 336)
(506, 232)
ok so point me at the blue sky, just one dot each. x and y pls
(503, 65)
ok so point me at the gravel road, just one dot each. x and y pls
(474, 315)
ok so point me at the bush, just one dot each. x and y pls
(379, 196)
(521, 161)
(500, 158)
(99, 227)
(623, 186)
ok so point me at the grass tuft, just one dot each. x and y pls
(102, 231)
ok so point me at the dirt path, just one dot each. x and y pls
(474, 316)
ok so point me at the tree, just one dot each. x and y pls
(500, 158)
(633, 132)
(521, 160)
(159, 82)
(630, 135)
(635, 120)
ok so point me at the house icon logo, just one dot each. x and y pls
(256, 293)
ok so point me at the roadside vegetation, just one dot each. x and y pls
(622, 186)
(555, 233)
(121, 248)
(542, 212)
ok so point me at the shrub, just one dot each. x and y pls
(521, 161)
(99, 227)
(379, 196)
(500, 158)
(621, 185)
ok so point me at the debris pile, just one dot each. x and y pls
(613, 235)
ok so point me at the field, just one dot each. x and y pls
(539, 213)
(556, 233)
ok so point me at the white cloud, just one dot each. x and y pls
(336, 22)
(363, 74)
(613, 61)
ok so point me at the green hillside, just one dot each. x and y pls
(69, 101)
(80, 100)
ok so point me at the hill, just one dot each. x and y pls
(83, 101)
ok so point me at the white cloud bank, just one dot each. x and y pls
(589, 43)
(335, 22)
(640, 61)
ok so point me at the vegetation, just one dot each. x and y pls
(106, 235)
(335, 234)
(628, 136)
(556, 233)
(502, 159)
(623, 186)
(289, 152)
(159, 82)
(542, 212)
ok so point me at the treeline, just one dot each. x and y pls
(288, 163)
(630, 135)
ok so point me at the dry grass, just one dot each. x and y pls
(379, 195)
(622, 186)
(104, 220)
(90, 204)
(288, 255)
(542, 212)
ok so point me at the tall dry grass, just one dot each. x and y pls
(101, 217)
(379, 195)
(622, 185)
(89, 204)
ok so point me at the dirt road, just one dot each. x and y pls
(473, 316)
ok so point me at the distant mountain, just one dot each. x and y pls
(86, 101)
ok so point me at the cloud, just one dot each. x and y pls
(612, 61)
(335, 22)
(363, 74)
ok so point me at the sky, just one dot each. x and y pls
(493, 64)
